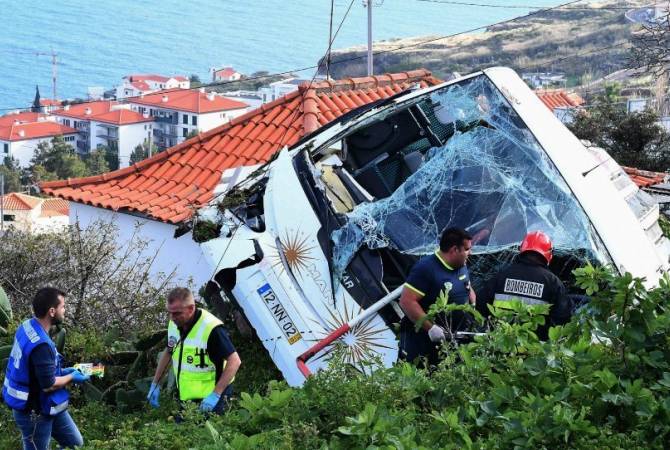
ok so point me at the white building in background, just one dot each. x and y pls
(179, 113)
(139, 84)
(21, 133)
(280, 88)
(107, 123)
(225, 74)
(34, 214)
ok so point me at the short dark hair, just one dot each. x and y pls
(453, 236)
(180, 294)
(45, 299)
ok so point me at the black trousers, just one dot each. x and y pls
(417, 345)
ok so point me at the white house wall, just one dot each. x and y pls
(23, 151)
(130, 136)
(182, 255)
(212, 120)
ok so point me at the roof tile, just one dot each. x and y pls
(169, 185)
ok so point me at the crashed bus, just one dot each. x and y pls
(311, 241)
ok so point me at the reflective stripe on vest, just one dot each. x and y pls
(58, 408)
(505, 301)
(21, 395)
(196, 376)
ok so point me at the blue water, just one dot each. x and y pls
(99, 42)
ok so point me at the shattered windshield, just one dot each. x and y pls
(488, 175)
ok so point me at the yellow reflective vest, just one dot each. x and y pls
(194, 372)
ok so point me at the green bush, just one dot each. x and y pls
(602, 381)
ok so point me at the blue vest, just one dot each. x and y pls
(17, 377)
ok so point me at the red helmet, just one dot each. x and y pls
(537, 241)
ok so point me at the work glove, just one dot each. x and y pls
(436, 334)
(78, 377)
(152, 396)
(67, 371)
(210, 402)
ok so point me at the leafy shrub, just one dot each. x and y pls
(108, 285)
(601, 381)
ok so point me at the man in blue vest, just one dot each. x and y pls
(35, 382)
(204, 360)
(427, 279)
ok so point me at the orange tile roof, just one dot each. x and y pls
(122, 117)
(189, 100)
(19, 202)
(169, 185)
(140, 85)
(558, 98)
(153, 77)
(645, 178)
(225, 72)
(50, 102)
(26, 116)
(57, 205)
(85, 110)
(34, 130)
(101, 111)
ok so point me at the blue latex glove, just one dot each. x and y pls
(67, 371)
(210, 402)
(78, 377)
(152, 396)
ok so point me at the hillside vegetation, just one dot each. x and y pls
(562, 40)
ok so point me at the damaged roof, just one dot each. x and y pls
(170, 185)
(645, 178)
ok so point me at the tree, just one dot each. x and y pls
(139, 153)
(142, 152)
(632, 139)
(37, 107)
(12, 175)
(651, 47)
(195, 80)
(111, 153)
(96, 162)
(52, 156)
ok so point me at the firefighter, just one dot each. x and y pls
(427, 279)
(204, 360)
(529, 280)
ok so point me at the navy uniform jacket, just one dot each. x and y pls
(531, 283)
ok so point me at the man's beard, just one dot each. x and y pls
(57, 320)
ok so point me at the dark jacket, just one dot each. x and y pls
(531, 282)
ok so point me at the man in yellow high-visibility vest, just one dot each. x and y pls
(204, 360)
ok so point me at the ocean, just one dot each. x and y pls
(97, 43)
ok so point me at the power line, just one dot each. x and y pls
(490, 5)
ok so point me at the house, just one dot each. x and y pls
(656, 184)
(34, 214)
(179, 113)
(22, 132)
(225, 74)
(139, 84)
(563, 104)
(280, 88)
(49, 105)
(543, 80)
(640, 104)
(107, 123)
(160, 193)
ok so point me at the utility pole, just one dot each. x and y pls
(54, 68)
(369, 4)
(2, 202)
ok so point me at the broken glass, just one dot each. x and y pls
(489, 176)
